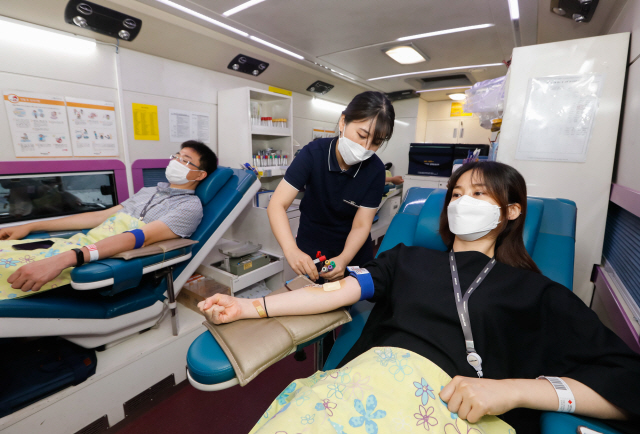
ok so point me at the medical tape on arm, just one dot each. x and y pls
(93, 252)
(364, 279)
(139, 237)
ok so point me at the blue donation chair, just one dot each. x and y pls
(113, 298)
(549, 237)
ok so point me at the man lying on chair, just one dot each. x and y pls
(154, 214)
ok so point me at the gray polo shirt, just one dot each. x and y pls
(180, 210)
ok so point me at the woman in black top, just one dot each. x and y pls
(524, 324)
(343, 182)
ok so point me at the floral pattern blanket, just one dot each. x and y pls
(11, 260)
(384, 390)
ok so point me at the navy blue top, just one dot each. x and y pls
(332, 197)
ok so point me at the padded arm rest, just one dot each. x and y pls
(156, 248)
(252, 345)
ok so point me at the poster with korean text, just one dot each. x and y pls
(38, 124)
(93, 127)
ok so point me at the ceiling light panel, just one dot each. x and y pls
(242, 7)
(514, 10)
(275, 47)
(436, 70)
(444, 32)
(29, 34)
(457, 96)
(443, 88)
(405, 55)
(202, 17)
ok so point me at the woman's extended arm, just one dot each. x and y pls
(358, 235)
(86, 220)
(472, 398)
(220, 308)
(281, 200)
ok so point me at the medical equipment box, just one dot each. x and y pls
(245, 264)
(436, 159)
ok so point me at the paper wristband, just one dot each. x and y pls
(566, 401)
(139, 237)
(364, 279)
(93, 253)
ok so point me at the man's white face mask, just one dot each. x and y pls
(471, 219)
(176, 173)
(352, 153)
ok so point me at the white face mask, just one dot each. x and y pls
(471, 219)
(352, 153)
(176, 173)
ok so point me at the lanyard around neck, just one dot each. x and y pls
(462, 304)
(145, 210)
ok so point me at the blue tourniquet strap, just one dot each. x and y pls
(126, 274)
(364, 279)
(139, 237)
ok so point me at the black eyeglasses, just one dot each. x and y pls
(179, 158)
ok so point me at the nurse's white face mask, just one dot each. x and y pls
(471, 219)
(352, 153)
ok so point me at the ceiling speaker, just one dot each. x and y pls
(320, 87)
(102, 20)
(248, 65)
(580, 11)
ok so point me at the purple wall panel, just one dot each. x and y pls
(138, 165)
(34, 167)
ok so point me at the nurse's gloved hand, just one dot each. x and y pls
(337, 272)
(302, 263)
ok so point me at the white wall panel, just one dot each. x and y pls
(629, 21)
(589, 183)
(629, 146)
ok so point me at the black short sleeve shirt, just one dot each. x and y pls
(332, 196)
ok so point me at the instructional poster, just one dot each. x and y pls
(558, 118)
(38, 124)
(319, 133)
(145, 122)
(93, 127)
(457, 110)
(188, 125)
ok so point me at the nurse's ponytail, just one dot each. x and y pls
(372, 106)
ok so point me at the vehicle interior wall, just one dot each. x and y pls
(625, 171)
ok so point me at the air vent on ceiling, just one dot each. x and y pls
(444, 81)
(102, 20)
(402, 94)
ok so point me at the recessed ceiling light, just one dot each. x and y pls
(405, 54)
(328, 104)
(436, 70)
(42, 37)
(514, 10)
(457, 96)
(202, 17)
(242, 7)
(275, 47)
(444, 32)
(443, 88)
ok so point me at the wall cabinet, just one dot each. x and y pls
(463, 131)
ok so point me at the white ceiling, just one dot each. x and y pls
(346, 35)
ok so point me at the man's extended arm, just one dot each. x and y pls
(33, 276)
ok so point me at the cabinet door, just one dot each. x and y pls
(444, 131)
(472, 133)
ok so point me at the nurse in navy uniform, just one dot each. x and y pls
(343, 182)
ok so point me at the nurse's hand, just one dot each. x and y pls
(221, 309)
(338, 270)
(302, 263)
(472, 398)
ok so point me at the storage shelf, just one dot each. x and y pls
(237, 283)
(270, 131)
(272, 171)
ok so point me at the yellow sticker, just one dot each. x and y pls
(145, 122)
(457, 110)
(278, 90)
(248, 265)
(332, 286)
